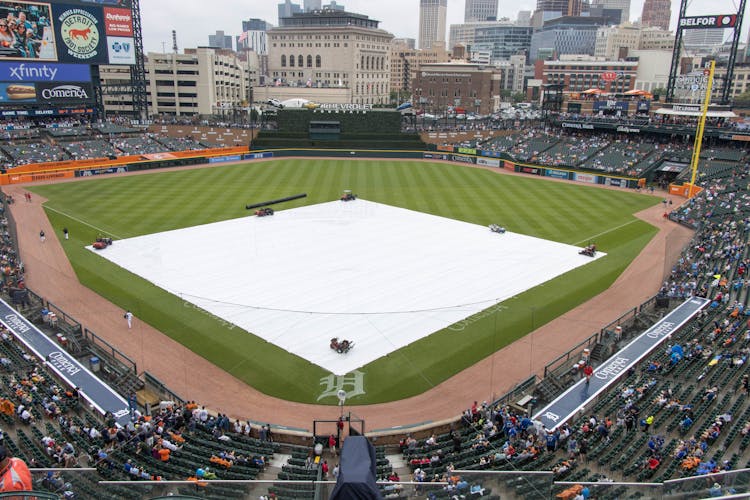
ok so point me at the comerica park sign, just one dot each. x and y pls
(705, 22)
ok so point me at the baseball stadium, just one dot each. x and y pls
(315, 300)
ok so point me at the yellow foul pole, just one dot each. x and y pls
(699, 131)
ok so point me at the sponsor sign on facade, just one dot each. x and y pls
(703, 22)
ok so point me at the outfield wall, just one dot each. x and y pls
(470, 156)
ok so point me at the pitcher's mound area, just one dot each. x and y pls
(379, 276)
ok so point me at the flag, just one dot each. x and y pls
(243, 37)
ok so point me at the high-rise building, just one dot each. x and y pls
(334, 6)
(704, 40)
(566, 35)
(524, 18)
(657, 13)
(312, 5)
(622, 5)
(288, 9)
(407, 61)
(480, 10)
(220, 40)
(547, 10)
(253, 36)
(409, 43)
(432, 15)
(503, 40)
(327, 54)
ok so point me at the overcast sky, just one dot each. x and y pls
(194, 20)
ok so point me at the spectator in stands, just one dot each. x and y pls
(14, 473)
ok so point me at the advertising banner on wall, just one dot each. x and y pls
(556, 174)
(591, 179)
(488, 162)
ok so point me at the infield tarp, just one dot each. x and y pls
(356, 479)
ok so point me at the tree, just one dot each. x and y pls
(518, 97)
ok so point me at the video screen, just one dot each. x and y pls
(26, 31)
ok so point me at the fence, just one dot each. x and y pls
(110, 350)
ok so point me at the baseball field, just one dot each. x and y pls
(129, 206)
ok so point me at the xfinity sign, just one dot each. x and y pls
(718, 21)
(43, 72)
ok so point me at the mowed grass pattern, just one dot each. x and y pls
(136, 205)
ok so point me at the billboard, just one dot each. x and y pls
(705, 22)
(22, 71)
(64, 93)
(52, 94)
(83, 31)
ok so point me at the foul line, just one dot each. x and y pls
(605, 232)
(82, 222)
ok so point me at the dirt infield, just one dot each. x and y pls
(50, 275)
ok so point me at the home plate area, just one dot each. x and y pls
(378, 276)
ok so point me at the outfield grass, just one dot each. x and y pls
(136, 205)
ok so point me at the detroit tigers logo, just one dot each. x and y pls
(353, 384)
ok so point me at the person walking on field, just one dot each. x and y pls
(65, 232)
(129, 318)
(41, 236)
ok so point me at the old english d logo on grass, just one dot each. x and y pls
(353, 384)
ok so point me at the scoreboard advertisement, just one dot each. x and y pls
(47, 84)
(47, 49)
(68, 31)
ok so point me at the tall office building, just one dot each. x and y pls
(288, 9)
(220, 41)
(657, 13)
(547, 10)
(706, 40)
(432, 15)
(622, 5)
(312, 5)
(253, 36)
(524, 18)
(480, 10)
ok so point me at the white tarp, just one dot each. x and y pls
(380, 276)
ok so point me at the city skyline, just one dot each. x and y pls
(160, 17)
